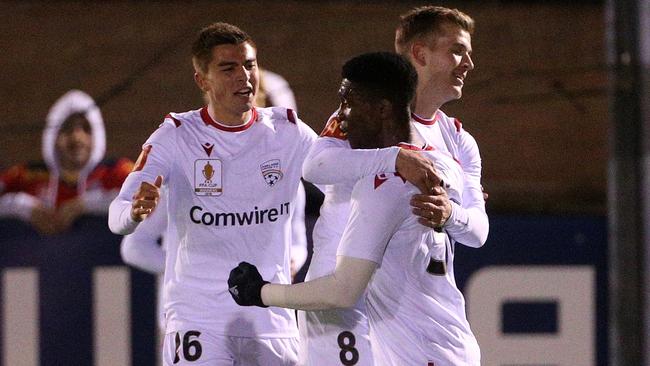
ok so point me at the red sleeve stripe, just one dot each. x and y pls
(458, 124)
(177, 123)
(291, 116)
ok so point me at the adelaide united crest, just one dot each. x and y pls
(271, 171)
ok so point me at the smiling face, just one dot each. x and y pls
(73, 144)
(443, 61)
(230, 82)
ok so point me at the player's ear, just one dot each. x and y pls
(417, 53)
(199, 79)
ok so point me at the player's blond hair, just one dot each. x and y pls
(427, 21)
(214, 35)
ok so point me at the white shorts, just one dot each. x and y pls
(196, 348)
(334, 337)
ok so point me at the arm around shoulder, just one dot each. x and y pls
(332, 161)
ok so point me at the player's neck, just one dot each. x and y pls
(425, 106)
(228, 119)
(400, 132)
(415, 139)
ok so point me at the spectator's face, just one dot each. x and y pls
(74, 143)
(448, 61)
(230, 82)
(359, 120)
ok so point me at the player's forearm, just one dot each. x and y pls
(319, 294)
(331, 164)
(120, 221)
(468, 226)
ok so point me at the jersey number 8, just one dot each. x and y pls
(347, 341)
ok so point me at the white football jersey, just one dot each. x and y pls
(415, 311)
(320, 328)
(230, 196)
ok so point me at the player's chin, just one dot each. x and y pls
(456, 92)
(245, 106)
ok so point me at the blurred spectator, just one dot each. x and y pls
(72, 179)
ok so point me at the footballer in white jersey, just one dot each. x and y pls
(230, 192)
(416, 312)
(323, 332)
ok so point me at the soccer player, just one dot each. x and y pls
(146, 247)
(416, 313)
(437, 41)
(231, 172)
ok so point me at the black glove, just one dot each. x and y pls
(245, 285)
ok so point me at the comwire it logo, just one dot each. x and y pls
(254, 217)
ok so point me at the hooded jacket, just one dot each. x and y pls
(24, 186)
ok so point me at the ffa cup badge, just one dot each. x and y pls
(271, 172)
(207, 177)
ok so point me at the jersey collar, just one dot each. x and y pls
(407, 146)
(425, 121)
(210, 122)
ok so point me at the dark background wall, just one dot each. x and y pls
(536, 101)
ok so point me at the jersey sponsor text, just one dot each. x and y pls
(253, 217)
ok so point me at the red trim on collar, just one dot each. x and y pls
(408, 146)
(210, 122)
(425, 121)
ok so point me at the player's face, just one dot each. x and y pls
(230, 82)
(448, 61)
(74, 143)
(358, 118)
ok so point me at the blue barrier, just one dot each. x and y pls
(65, 265)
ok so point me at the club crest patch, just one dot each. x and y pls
(208, 176)
(271, 172)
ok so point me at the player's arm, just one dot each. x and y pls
(341, 289)
(372, 223)
(467, 223)
(331, 161)
(141, 190)
(298, 232)
(141, 249)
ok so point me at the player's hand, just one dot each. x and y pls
(145, 199)
(418, 170)
(245, 285)
(43, 219)
(433, 209)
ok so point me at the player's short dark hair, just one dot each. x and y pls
(214, 35)
(383, 75)
(425, 21)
